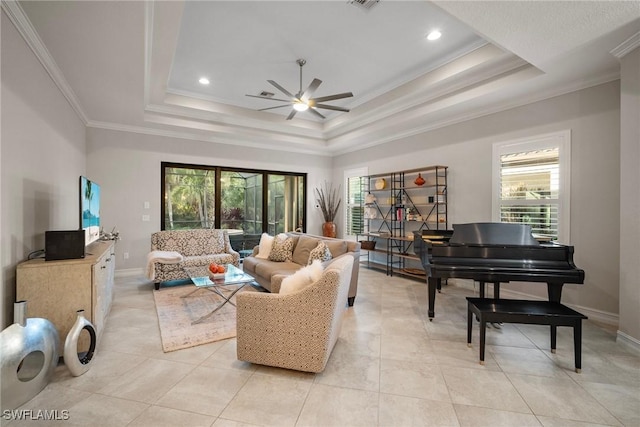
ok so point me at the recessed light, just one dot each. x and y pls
(204, 81)
(434, 35)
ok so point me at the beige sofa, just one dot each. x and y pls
(269, 274)
(199, 247)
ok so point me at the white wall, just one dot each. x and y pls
(593, 117)
(629, 326)
(43, 154)
(127, 167)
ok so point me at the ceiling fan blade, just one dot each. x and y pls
(271, 108)
(309, 91)
(332, 97)
(281, 89)
(270, 99)
(293, 113)
(332, 107)
(314, 111)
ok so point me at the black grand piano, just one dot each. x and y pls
(494, 253)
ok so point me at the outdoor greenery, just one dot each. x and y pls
(190, 200)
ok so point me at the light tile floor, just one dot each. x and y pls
(390, 367)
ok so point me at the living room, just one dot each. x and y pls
(48, 141)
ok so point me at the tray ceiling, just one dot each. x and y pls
(134, 65)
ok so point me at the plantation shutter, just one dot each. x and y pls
(355, 205)
(529, 189)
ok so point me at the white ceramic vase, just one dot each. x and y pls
(29, 349)
(79, 363)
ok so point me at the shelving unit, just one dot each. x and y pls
(395, 206)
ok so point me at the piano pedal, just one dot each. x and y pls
(497, 325)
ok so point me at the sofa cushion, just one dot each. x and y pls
(282, 249)
(301, 278)
(321, 253)
(264, 248)
(337, 247)
(305, 245)
(267, 269)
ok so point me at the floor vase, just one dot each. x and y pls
(79, 363)
(29, 349)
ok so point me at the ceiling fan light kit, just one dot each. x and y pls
(303, 101)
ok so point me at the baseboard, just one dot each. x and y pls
(628, 341)
(130, 272)
(597, 316)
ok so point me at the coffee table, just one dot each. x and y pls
(226, 287)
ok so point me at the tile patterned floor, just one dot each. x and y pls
(390, 367)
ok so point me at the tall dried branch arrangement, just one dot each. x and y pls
(329, 200)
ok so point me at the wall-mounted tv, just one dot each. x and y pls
(89, 209)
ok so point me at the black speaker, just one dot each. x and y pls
(63, 245)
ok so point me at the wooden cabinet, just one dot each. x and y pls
(395, 205)
(56, 290)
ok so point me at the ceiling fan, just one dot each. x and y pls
(302, 101)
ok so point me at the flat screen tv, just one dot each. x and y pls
(89, 209)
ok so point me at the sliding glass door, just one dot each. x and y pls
(196, 196)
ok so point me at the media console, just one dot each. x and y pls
(56, 290)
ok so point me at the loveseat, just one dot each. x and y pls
(198, 248)
(269, 274)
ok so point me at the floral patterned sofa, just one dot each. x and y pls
(198, 248)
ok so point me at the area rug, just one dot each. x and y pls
(175, 315)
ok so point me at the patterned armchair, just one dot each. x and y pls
(199, 247)
(297, 330)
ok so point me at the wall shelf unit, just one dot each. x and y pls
(395, 205)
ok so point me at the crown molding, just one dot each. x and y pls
(20, 20)
(484, 111)
(449, 85)
(241, 141)
(200, 113)
(626, 46)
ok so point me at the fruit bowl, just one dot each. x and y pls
(214, 276)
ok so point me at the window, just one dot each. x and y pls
(354, 196)
(245, 202)
(531, 184)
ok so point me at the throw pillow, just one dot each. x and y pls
(337, 247)
(303, 247)
(301, 278)
(321, 253)
(264, 249)
(282, 249)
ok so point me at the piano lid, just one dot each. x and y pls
(493, 233)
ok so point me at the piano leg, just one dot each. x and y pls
(481, 289)
(433, 284)
(555, 291)
(496, 290)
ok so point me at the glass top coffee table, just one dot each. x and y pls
(226, 287)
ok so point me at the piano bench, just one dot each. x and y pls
(554, 314)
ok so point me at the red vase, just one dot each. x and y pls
(329, 229)
(419, 180)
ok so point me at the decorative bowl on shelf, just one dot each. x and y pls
(368, 245)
